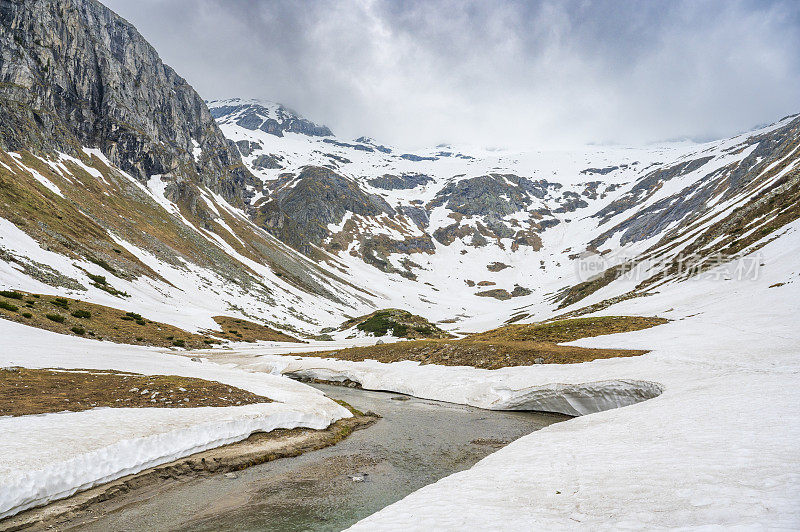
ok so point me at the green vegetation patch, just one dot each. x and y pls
(398, 323)
(103, 264)
(11, 294)
(8, 306)
(97, 279)
(61, 302)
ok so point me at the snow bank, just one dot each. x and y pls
(576, 399)
(49, 456)
(717, 448)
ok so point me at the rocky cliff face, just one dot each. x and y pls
(268, 117)
(73, 73)
(302, 207)
(491, 195)
(115, 179)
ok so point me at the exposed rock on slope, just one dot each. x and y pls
(404, 181)
(301, 207)
(492, 195)
(271, 118)
(115, 179)
(73, 73)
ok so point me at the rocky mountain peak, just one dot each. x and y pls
(74, 74)
(263, 115)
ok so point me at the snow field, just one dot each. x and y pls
(49, 456)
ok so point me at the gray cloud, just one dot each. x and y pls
(490, 72)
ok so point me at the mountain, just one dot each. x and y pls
(455, 229)
(268, 117)
(75, 74)
(112, 167)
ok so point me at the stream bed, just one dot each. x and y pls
(417, 442)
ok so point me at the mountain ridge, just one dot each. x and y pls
(246, 208)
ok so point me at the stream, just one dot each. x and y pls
(417, 442)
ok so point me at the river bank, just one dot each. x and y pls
(257, 449)
(414, 443)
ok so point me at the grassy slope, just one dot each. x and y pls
(514, 345)
(25, 391)
(69, 316)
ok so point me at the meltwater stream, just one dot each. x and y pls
(417, 442)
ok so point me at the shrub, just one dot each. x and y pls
(61, 302)
(85, 314)
(78, 330)
(133, 316)
(400, 330)
(378, 324)
(179, 343)
(98, 279)
(103, 264)
(11, 294)
(139, 338)
(27, 315)
(30, 302)
(8, 306)
(58, 318)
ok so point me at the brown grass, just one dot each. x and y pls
(26, 391)
(568, 330)
(513, 345)
(108, 323)
(240, 330)
(105, 323)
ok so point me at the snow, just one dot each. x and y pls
(49, 456)
(697, 395)
(197, 151)
(716, 448)
(52, 187)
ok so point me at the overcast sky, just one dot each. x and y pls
(489, 72)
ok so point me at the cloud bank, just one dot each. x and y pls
(511, 73)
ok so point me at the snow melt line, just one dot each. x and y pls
(572, 399)
(24, 490)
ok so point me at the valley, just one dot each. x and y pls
(593, 335)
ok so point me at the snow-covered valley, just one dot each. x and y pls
(145, 232)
